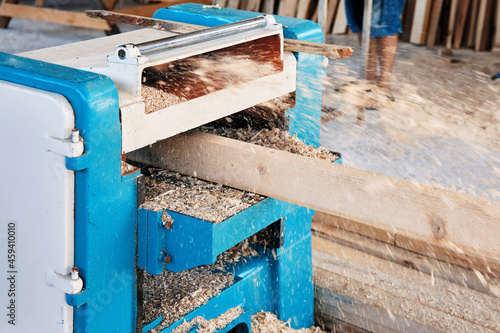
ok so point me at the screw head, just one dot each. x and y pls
(122, 54)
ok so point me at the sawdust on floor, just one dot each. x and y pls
(454, 97)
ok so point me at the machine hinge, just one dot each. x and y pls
(71, 147)
(70, 283)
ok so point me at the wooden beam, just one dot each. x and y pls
(291, 45)
(149, 10)
(52, 15)
(451, 23)
(463, 9)
(303, 9)
(471, 33)
(5, 20)
(447, 252)
(458, 223)
(420, 22)
(408, 258)
(481, 23)
(332, 10)
(407, 20)
(496, 37)
(340, 23)
(434, 23)
(423, 299)
(331, 307)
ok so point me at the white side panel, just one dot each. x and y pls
(140, 129)
(36, 211)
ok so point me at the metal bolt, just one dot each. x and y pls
(75, 135)
(165, 258)
(74, 273)
(166, 220)
(122, 54)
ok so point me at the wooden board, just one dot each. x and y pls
(233, 4)
(463, 9)
(5, 19)
(287, 8)
(420, 298)
(411, 210)
(471, 33)
(332, 308)
(303, 9)
(451, 23)
(52, 15)
(331, 11)
(407, 258)
(481, 24)
(434, 23)
(149, 10)
(420, 22)
(407, 20)
(438, 250)
(340, 23)
(496, 37)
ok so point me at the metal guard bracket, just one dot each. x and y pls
(65, 147)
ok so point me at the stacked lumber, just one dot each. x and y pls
(369, 283)
(454, 24)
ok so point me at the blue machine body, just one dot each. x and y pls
(109, 226)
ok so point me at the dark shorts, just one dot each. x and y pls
(386, 16)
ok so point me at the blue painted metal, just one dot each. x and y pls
(193, 242)
(306, 115)
(105, 209)
(280, 280)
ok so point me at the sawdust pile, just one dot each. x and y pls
(195, 197)
(156, 99)
(186, 79)
(174, 295)
(267, 322)
(209, 326)
(275, 139)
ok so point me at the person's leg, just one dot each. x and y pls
(386, 49)
(371, 68)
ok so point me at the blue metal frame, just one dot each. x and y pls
(106, 211)
(105, 205)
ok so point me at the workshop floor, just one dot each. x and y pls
(443, 129)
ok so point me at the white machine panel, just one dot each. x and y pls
(36, 211)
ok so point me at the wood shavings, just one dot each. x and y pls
(210, 326)
(186, 79)
(267, 322)
(275, 139)
(195, 197)
(174, 295)
(128, 168)
(156, 99)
